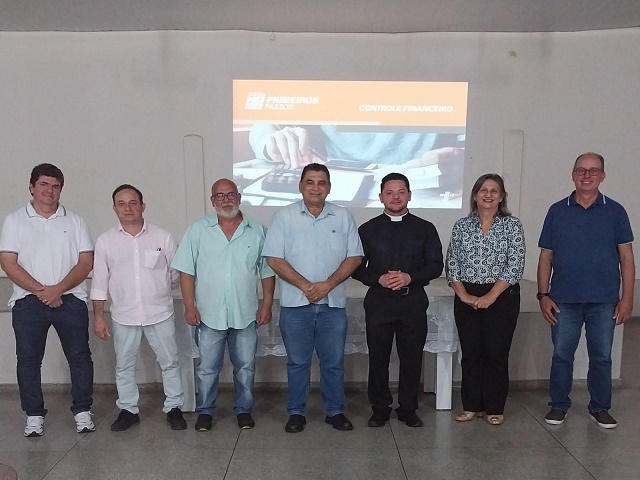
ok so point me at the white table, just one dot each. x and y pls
(442, 340)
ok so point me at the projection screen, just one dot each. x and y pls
(361, 130)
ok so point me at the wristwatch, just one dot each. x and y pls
(539, 295)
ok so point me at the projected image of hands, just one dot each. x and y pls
(361, 130)
(358, 157)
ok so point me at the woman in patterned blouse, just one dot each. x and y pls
(484, 264)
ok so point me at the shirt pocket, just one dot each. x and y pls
(152, 259)
(337, 242)
(250, 255)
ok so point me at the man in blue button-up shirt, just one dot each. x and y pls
(314, 246)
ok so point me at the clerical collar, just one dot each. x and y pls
(396, 218)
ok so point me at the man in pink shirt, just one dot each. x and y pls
(132, 267)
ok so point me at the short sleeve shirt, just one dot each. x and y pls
(584, 241)
(47, 248)
(314, 246)
(226, 271)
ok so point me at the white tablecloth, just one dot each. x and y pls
(441, 337)
(442, 340)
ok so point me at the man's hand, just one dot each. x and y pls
(622, 313)
(192, 316)
(394, 279)
(291, 146)
(50, 295)
(547, 307)
(264, 315)
(439, 156)
(450, 161)
(101, 329)
(317, 291)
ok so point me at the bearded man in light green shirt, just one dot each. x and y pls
(220, 263)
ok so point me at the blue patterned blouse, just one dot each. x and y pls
(473, 257)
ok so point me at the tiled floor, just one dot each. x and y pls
(523, 448)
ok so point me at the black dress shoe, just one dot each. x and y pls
(245, 421)
(176, 420)
(204, 423)
(339, 422)
(410, 419)
(125, 420)
(295, 424)
(378, 420)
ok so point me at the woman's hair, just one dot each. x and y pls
(503, 211)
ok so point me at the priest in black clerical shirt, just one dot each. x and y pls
(402, 254)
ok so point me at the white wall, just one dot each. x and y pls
(114, 107)
(110, 108)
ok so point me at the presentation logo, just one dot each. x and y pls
(262, 101)
(255, 101)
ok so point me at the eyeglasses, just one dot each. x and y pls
(229, 196)
(131, 204)
(581, 172)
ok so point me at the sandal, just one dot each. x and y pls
(467, 415)
(495, 419)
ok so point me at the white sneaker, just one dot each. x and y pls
(34, 427)
(84, 424)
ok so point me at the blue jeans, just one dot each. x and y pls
(323, 328)
(599, 327)
(243, 344)
(31, 321)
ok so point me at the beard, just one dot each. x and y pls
(227, 214)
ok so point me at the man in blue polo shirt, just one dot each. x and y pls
(586, 243)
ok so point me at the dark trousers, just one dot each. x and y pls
(405, 316)
(31, 321)
(485, 338)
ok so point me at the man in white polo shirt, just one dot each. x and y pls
(131, 266)
(47, 252)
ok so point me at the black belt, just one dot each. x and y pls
(402, 292)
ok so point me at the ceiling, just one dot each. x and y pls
(337, 16)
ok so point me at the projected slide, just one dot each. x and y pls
(360, 130)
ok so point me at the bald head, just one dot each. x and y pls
(225, 198)
(223, 184)
(594, 155)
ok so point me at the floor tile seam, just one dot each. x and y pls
(540, 422)
(551, 433)
(162, 448)
(584, 467)
(502, 449)
(33, 452)
(233, 453)
(490, 447)
(395, 441)
(329, 447)
(60, 459)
